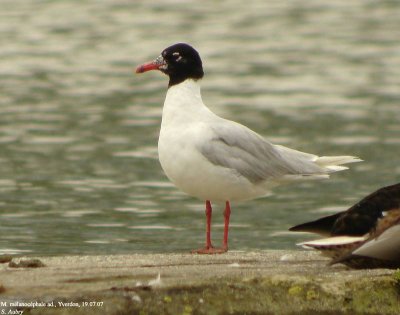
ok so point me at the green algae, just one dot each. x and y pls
(295, 290)
(260, 286)
(396, 276)
(267, 296)
(262, 295)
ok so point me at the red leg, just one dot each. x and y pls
(209, 249)
(208, 224)
(227, 215)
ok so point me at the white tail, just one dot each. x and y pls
(332, 163)
(326, 164)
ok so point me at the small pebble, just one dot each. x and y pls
(5, 258)
(287, 257)
(28, 263)
(234, 265)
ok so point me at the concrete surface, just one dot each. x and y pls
(264, 282)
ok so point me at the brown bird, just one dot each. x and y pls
(367, 235)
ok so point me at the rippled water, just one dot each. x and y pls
(78, 130)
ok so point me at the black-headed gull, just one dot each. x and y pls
(212, 158)
(367, 235)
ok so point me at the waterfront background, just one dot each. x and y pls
(79, 172)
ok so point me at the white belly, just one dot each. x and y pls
(185, 127)
(192, 173)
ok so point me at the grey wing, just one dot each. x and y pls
(236, 147)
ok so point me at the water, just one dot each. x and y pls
(78, 130)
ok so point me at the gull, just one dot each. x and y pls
(215, 159)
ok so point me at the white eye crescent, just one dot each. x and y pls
(177, 54)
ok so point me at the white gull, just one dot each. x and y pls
(216, 159)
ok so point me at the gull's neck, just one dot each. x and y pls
(186, 92)
(183, 102)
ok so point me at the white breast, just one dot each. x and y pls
(184, 127)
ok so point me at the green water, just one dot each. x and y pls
(78, 130)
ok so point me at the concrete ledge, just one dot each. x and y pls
(265, 282)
